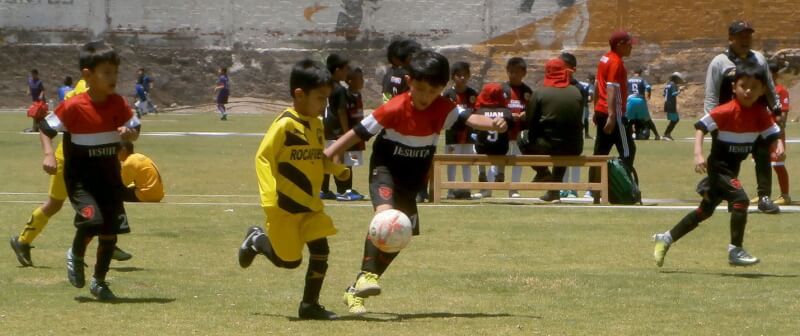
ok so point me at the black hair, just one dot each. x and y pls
(336, 61)
(516, 62)
(570, 59)
(750, 69)
(308, 75)
(127, 145)
(402, 49)
(95, 53)
(141, 69)
(68, 81)
(34, 72)
(430, 67)
(223, 69)
(591, 76)
(355, 72)
(638, 71)
(458, 67)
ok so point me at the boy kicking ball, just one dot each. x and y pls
(734, 128)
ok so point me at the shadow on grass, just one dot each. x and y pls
(127, 269)
(124, 300)
(736, 275)
(395, 317)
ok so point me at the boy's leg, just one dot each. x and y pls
(315, 276)
(602, 146)
(653, 128)
(762, 157)
(670, 127)
(516, 171)
(466, 170)
(686, 225)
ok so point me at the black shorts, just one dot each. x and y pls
(104, 217)
(383, 190)
(719, 187)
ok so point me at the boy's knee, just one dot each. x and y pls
(319, 247)
(290, 264)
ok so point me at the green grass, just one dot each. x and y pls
(479, 268)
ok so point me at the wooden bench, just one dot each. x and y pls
(440, 160)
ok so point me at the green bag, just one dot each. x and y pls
(623, 183)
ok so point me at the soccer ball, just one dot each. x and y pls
(390, 231)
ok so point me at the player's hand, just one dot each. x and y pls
(126, 133)
(700, 164)
(609, 126)
(49, 164)
(499, 124)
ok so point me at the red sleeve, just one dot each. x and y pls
(122, 110)
(614, 73)
(383, 115)
(61, 113)
(784, 97)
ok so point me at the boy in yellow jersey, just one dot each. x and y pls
(140, 175)
(290, 166)
(21, 244)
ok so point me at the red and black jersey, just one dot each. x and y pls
(492, 142)
(355, 114)
(407, 136)
(783, 94)
(611, 71)
(91, 139)
(734, 128)
(394, 82)
(466, 101)
(518, 97)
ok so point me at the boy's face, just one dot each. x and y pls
(624, 49)
(103, 78)
(748, 90)
(516, 74)
(422, 93)
(340, 74)
(355, 83)
(313, 102)
(741, 42)
(34, 76)
(461, 78)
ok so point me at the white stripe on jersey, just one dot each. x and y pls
(371, 124)
(774, 129)
(411, 140)
(133, 122)
(452, 117)
(709, 122)
(55, 123)
(737, 137)
(95, 139)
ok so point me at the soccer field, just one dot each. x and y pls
(489, 267)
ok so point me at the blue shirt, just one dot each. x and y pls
(146, 81)
(36, 87)
(638, 86)
(223, 80)
(671, 93)
(141, 92)
(62, 92)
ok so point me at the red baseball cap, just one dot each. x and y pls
(619, 37)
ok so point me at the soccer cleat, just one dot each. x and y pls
(367, 285)
(100, 290)
(514, 194)
(766, 206)
(573, 194)
(657, 138)
(315, 311)
(246, 251)
(355, 304)
(739, 257)
(783, 200)
(349, 195)
(75, 267)
(667, 138)
(22, 251)
(660, 251)
(477, 196)
(224, 117)
(451, 194)
(120, 255)
(551, 197)
(327, 195)
(423, 196)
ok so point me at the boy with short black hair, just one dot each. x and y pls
(734, 126)
(518, 95)
(93, 123)
(402, 155)
(398, 53)
(290, 165)
(671, 92)
(457, 139)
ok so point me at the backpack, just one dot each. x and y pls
(623, 183)
(38, 110)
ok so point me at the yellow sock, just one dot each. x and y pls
(34, 226)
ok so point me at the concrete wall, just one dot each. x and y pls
(182, 41)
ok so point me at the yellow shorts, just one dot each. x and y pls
(58, 189)
(289, 232)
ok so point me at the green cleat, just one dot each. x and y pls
(739, 257)
(367, 285)
(355, 304)
(660, 251)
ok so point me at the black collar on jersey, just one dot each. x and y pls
(735, 58)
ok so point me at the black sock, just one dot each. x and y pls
(670, 127)
(686, 225)
(105, 250)
(652, 127)
(375, 260)
(326, 181)
(317, 266)
(343, 186)
(738, 224)
(79, 243)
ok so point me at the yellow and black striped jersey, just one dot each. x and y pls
(290, 164)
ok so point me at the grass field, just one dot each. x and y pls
(492, 267)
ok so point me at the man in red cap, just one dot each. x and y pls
(609, 117)
(719, 90)
(554, 119)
